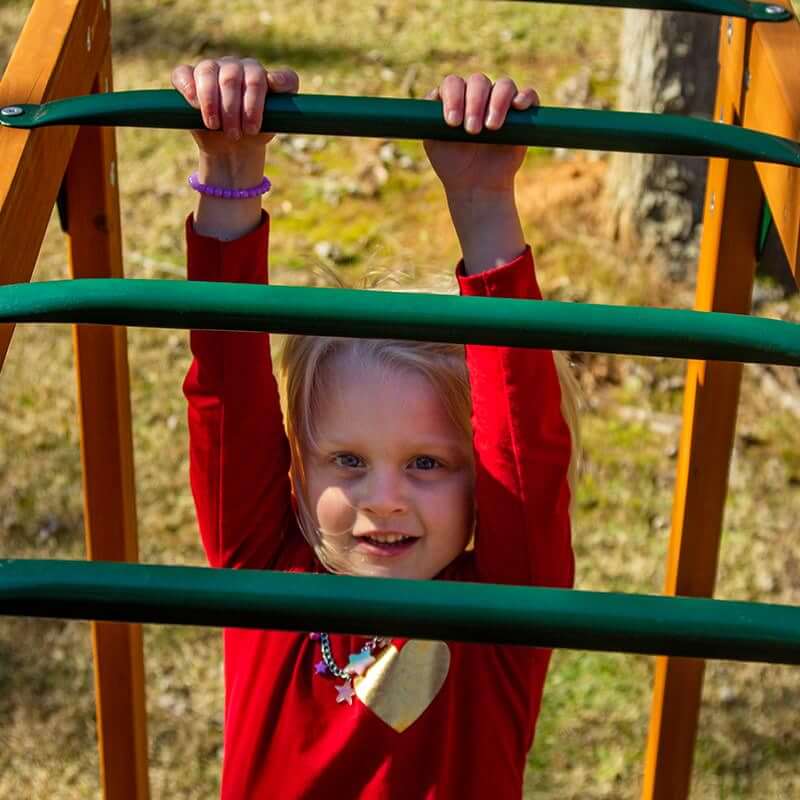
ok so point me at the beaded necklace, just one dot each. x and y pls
(357, 664)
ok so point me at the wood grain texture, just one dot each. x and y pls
(772, 104)
(726, 271)
(58, 54)
(95, 251)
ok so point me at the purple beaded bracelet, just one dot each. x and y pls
(229, 194)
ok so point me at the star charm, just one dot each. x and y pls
(321, 668)
(358, 663)
(345, 693)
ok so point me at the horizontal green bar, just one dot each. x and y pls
(758, 12)
(422, 119)
(627, 330)
(468, 612)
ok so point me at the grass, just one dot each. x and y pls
(379, 207)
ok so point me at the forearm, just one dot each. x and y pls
(523, 448)
(223, 219)
(239, 458)
(488, 228)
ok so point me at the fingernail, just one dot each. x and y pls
(473, 124)
(493, 119)
(453, 118)
(213, 122)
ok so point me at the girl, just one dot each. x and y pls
(383, 473)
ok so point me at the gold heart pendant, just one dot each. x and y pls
(401, 684)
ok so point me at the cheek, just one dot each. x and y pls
(452, 508)
(332, 509)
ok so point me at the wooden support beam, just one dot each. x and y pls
(734, 40)
(95, 251)
(726, 271)
(772, 104)
(58, 54)
(759, 66)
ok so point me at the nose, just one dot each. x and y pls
(383, 493)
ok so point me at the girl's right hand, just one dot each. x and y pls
(230, 93)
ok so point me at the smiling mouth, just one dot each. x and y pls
(387, 543)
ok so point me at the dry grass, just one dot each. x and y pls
(382, 208)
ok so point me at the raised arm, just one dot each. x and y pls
(239, 456)
(522, 443)
(522, 448)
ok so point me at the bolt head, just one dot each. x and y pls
(11, 111)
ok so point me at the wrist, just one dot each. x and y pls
(488, 227)
(480, 199)
(232, 170)
(222, 218)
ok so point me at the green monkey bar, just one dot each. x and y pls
(628, 330)
(758, 12)
(522, 615)
(385, 117)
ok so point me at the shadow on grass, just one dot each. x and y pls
(138, 32)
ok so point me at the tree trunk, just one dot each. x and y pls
(668, 64)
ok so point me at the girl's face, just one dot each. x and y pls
(390, 485)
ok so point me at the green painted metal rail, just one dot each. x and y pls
(655, 625)
(422, 119)
(758, 12)
(399, 315)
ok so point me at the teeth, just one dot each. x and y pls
(391, 538)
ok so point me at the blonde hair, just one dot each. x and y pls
(305, 364)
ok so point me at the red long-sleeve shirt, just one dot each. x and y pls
(431, 720)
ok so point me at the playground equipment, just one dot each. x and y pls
(64, 51)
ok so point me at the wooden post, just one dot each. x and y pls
(95, 251)
(726, 271)
(56, 55)
(772, 104)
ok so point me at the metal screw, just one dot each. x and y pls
(88, 38)
(112, 173)
(11, 111)
(713, 203)
(774, 9)
(746, 79)
(730, 30)
(722, 116)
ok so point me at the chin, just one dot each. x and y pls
(399, 572)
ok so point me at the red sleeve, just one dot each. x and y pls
(239, 456)
(522, 448)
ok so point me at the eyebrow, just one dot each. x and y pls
(418, 447)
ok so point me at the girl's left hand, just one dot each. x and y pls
(467, 167)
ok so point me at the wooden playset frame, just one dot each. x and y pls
(64, 50)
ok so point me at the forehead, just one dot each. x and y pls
(363, 395)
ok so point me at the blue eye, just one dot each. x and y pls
(347, 460)
(425, 463)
